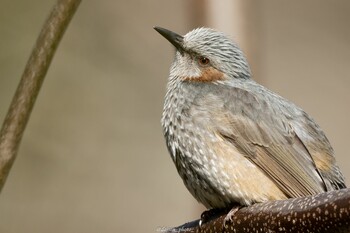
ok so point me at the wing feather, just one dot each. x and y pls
(264, 135)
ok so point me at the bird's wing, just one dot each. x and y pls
(320, 149)
(262, 133)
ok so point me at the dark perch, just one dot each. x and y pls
(325, 212)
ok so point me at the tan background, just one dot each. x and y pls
(93, 158)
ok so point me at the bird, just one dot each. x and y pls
(232, 140)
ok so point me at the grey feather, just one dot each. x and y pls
(264, 135)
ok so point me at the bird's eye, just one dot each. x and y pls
(203, 61)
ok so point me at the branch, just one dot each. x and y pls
(32, 79)
(325, 212)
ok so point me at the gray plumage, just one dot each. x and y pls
(231, 139)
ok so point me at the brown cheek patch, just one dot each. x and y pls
(207, 75)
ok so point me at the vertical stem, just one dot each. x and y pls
(31, 81)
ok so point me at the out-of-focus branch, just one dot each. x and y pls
(325, 212)
(32, 79)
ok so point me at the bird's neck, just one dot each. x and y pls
(172, 102)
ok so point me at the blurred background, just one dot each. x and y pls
(93, 157)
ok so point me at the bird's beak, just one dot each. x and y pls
(172, 37)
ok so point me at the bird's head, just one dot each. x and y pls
(206, 55)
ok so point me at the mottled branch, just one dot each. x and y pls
(325, 212)
(32, 79)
